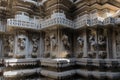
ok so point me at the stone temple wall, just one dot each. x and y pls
(61, 54)
(59, 40)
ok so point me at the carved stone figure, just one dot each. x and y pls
(53, 41)
(47, 43)
(6, 46)
(66, 42)
(80, 41)
(6, 43)
(21, 42)
(11, 43)
(35, 43)
(93, 43)
(101, 42)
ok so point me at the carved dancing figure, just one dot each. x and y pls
(92, 41)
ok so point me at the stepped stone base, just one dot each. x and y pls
(61, 69)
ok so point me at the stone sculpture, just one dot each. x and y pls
(93, 46)
(35, 43)
(80, 41)
(92, 41)
(53, 41)
(21, 42)
(101, 42)
(11, 43)
(47, 43)
(65, 41)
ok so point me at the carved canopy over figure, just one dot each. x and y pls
(80, 41)
(11, 43)
(66, 42)
(21, 42)
(35, 43)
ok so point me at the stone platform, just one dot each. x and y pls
(61, 69)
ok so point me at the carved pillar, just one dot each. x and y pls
(42, 45)
(110, 40)
(114, 37)
(1, 46)
(116, 43)
(85, 44)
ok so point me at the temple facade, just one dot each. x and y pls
(59, 39)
